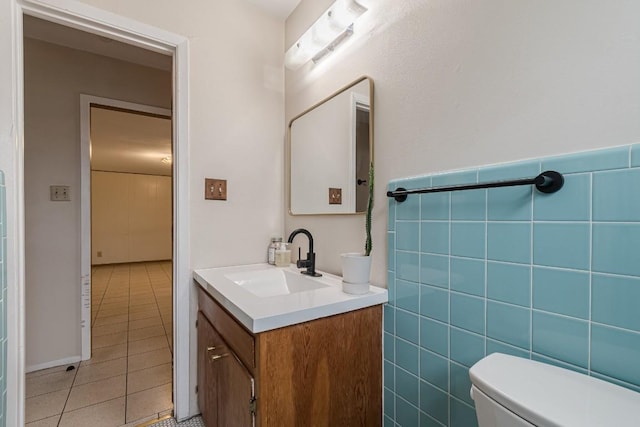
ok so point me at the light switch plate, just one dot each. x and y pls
(215, 189)
(335, 196)
(59, 193)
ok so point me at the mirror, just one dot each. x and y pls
(331, 148)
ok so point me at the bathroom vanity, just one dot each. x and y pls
(276, 348)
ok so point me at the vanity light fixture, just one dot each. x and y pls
(333, 27)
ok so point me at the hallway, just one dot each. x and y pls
(128, 379)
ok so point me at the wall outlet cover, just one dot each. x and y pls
(335, 196)
(59, 193)
(215, 189)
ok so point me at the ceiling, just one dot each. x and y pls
(39, 29)
(50, 32)
(279, 8)
(123, 141)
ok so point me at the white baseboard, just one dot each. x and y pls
(52, 364)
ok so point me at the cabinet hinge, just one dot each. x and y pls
(252, 405)
(196, 389)
(196, 323)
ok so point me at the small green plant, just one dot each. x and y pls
(368, 244)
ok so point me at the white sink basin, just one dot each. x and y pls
(263, 297)
(273, 282)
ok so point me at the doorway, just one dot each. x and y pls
(131, 178)
(131, 260)
(130, 210)
(108, 26)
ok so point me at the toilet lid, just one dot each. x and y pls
(546, 395)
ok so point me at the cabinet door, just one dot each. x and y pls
(208, 343)
(225, 387)
(236, 393)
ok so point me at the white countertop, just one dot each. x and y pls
(259, 314)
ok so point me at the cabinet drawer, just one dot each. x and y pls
(237, 337)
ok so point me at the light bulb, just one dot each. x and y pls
(326, 33)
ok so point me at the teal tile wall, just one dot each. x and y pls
(550, 277)
(3, 302)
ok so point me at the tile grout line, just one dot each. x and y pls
(531, 264)
(126, 380)
(169, 277)
(50, 392)
(449, 314)
(93, 404)
(102, 298)
(150, 283)
(589, 324)
(486, 268)
(155, 297)
(66, 402)
(151, 388)
(75, 377)
(420, 199)
(618, 328)
(395, 305)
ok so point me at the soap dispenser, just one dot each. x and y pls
(283, 255)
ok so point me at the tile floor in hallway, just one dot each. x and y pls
(127, 381)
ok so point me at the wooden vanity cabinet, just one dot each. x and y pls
(325, 372)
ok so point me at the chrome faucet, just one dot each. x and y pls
(310, 262)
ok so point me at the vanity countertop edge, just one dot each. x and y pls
(263, 314)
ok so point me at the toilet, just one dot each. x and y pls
(510, 391)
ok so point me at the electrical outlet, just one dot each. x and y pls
(215, 189)
(59, 193)
(335, 196)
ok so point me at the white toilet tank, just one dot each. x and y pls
(511, 391)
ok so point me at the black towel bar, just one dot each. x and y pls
(546, 182)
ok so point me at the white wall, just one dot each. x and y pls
(130, 217)
(323, 159)
(236, 81)
(236, 131)
(235, 126)
(54, 79)
(462, 83)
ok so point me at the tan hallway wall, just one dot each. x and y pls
(54, 79)
(130, 217)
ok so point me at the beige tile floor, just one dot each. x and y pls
(127, 381)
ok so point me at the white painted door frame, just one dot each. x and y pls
(86, 101)
(97, 21)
